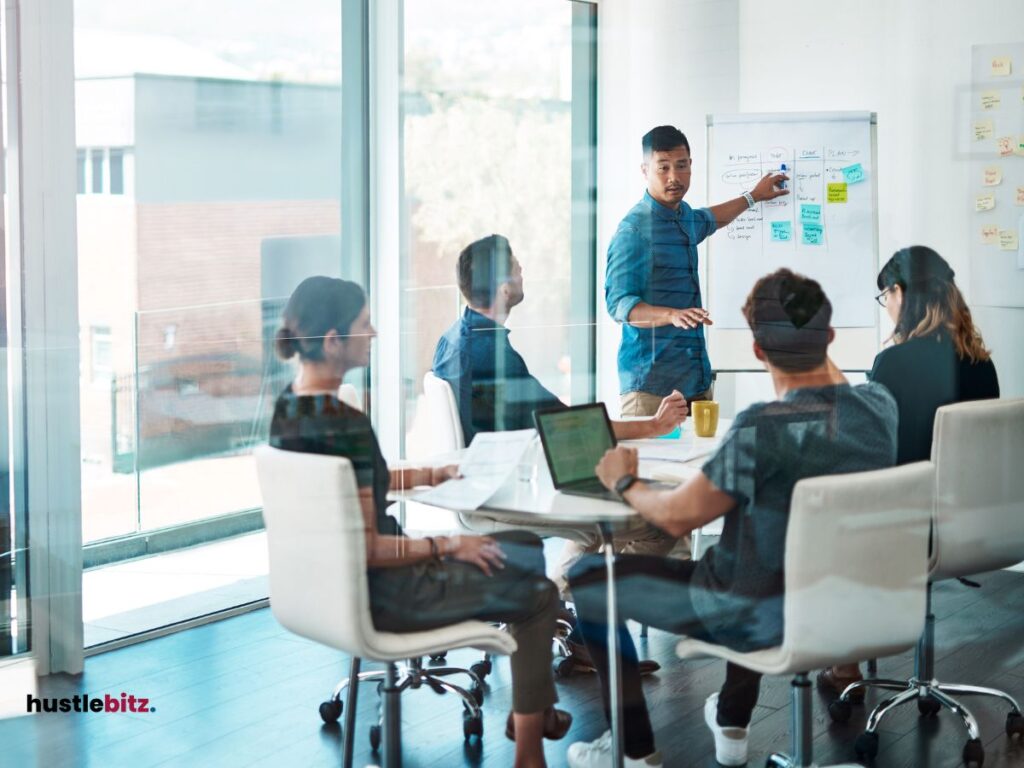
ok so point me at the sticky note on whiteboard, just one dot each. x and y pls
(984, 202)
(837, 192)
(1005, 145)
(983, 130)
(1019, 149)
(1002, 66)
(813, 234)
(990, 99)
(992, 176)
(853, 173)
(1007, 240)
(1020, 195)
(810, 213)
(782, 231)
(989, 234)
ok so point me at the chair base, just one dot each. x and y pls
(931, 697)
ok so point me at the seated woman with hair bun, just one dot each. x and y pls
(415, 584)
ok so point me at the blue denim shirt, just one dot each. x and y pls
(653, 258)
(494, 389)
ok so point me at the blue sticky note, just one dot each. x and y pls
(853, 173)
(782, 231)
(810, 213)
(813, 234)
(673, 435)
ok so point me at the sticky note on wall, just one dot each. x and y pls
(1007, 240)
(837, 192)
(1005, 145)
(853, 173)
(990, 99)
(782, 231)
(810, 213)
(983, 130)
(989, 234)
(984, 202)
(1020, 195)
(992, 176)
(813, 234)
(1002, 66)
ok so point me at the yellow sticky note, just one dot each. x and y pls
(1007, 240)
(837, 192)
(984, 202)
(990, 99)
(1019, 149)
(1002, 66)
(1020, 195)
(993, 175)
(1005, 145)
(982, 130)
(989, 235)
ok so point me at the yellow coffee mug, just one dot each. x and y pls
(705, 417)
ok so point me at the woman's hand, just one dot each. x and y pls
(439, 474)
(481, 551)
(617, 463)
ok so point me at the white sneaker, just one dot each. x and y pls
(598, 754)
(730, 743)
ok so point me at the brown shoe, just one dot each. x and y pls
(582, 660)
(556, 724)
(830, 682)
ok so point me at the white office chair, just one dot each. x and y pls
(318, 589)
(348, 394)
(446, 427)
(979, 526)
(856, 570)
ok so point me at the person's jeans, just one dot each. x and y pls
(654, 591)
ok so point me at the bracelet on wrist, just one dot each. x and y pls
(750, 200)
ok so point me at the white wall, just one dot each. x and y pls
(906, 61)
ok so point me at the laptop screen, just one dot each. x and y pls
(574, 440)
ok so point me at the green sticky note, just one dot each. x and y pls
(837, 192)
(673, 435)
(813, 234)
(810, 213)
(782, 231)
(853, 173)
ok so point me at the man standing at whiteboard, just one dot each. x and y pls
(652, 285)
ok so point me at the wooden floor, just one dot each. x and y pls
(243, 692)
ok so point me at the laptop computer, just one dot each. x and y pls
(574, 440)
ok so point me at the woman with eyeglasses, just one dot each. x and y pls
(415, 583)
(937, 358)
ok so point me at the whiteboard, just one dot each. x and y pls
(996, 201)
(826, 228)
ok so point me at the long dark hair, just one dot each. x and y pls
(932, 304)
(320, 304)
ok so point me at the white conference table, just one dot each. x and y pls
(535, 504)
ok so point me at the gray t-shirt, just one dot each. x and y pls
(737, 586)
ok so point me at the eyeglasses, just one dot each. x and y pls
(882, 297)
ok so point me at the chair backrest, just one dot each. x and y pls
(857, 564)
(979, 496)
(317, 543)
(349, 395)
(447, 435)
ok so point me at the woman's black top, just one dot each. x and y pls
(924, 374)
(324, 424)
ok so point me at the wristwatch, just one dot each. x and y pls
(625, 483)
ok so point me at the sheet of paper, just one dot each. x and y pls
(1002, 66)
(810, 213)
(983, 129)
(813, 234)
(853, 174)
(984, 202)
(837, 192)
(491, 459)
(1005, 145)
(990, 99)
(1007, 240)
(993, 176)
(989, 234)
(782, 231)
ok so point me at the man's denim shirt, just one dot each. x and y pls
(494, 389)
(653, 258)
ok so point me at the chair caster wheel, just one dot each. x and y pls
(1015, 725)
(563, 667)
(472, 725)
(481, 669)
(866, 745)
(840, 711)
(477, 693)
(438, 658)
(974, 754)
(375, 737)
(330, 711)
(928, 707)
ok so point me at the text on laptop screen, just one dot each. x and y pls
(576, 441)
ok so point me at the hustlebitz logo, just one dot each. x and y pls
(86, 703)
